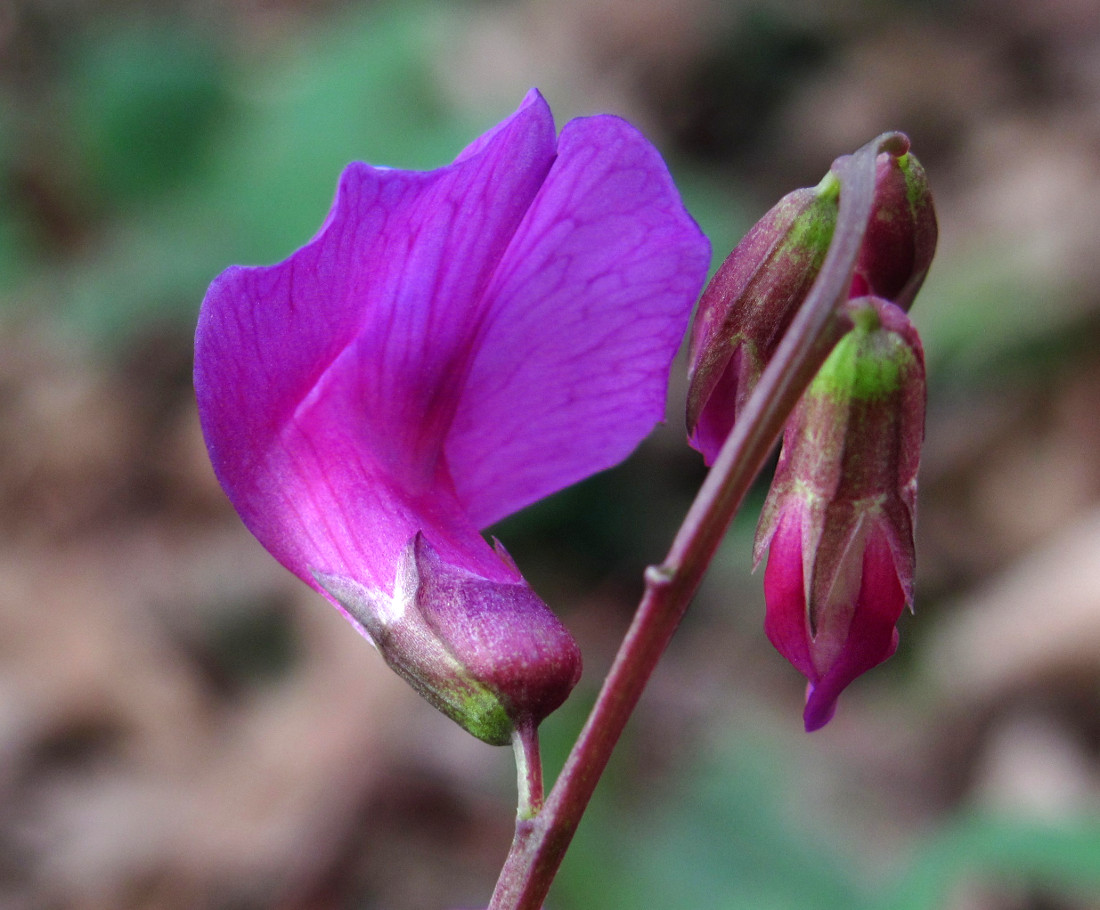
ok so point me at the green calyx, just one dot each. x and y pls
(870, 363)
(471, 705)
(916, 182)
(808, 238)
(829, 188)
(423, 659)
(489, 654)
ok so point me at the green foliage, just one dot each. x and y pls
(12, 242)
(188, 161)
(142, 100)
(1001, 853)
(196, 168)
(731, 838)
(739, 832)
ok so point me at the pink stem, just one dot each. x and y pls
(538, 850)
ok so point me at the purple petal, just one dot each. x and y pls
(716, 417)
(326, 383)
(450, 346)
(785, 619)
(872, 636)
(584, 316)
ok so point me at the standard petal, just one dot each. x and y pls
(325, 503)
(326, 383)
(585, 314)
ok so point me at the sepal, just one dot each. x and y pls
(488, 654)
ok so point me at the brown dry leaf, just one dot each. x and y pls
(1039, 618)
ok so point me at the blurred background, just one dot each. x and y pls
(184, 725)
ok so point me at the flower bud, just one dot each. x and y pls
(748, 305)
(488, 654)
(901, 235)
(838, 521)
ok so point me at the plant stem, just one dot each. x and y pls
(538, 849)
(525, 743)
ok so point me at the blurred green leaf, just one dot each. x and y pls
(142, 99)
(992, 308)
(361, 88)
(13, 246)
(734, 834)
(199, 167)
(718, 206)
(1061, 858)
(728, 840)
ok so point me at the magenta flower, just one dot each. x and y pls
(838, 521)
(452, 346)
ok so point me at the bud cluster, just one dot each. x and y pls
(838, 522)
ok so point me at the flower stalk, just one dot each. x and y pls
(525, 744)
(536, 855)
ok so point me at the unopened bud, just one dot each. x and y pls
(488, 654)
(901, 235)
(749, 304)
(838, 521)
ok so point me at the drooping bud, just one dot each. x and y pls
(748, 305)
(752, 299)
(838, 521)
(490, 655)
(901, 235)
